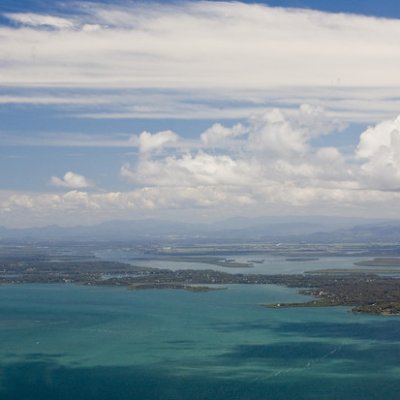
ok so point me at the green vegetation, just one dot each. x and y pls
(359, 289)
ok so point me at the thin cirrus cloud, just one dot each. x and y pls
(216, 44)
(229, 50)
(38, 20)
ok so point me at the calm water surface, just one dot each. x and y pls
(75, 342)
(267, 263)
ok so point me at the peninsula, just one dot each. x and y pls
(363, 292)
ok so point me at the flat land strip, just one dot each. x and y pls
(363, 292)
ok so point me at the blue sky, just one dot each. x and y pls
(198, 110)
(383, 8)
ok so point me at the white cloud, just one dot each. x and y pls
(283, 174)
(218, 134)
(379, 148)
(365, 105)
(190, 170)
(71, 180)
(230, 49)
(274, 135)
(251, 46)
(314, 121)
(377, 137)
(199, 203)
(355, 105)
(274, 148)
(215, 60)
(283, 133)
(38, 20)
(148, 142)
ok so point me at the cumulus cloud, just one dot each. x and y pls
(273, 134)
(284, 173)
(379, 149)
(218, 134)
(284, 133)
(71, 180)
(378, 136)
(148, 142)
(190, 170)
(314, 121)
(274, 148)
(276, 131)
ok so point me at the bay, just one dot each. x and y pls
(70, 341)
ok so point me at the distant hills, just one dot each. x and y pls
(388, 232)
(293, 229)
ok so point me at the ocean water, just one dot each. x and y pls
(76, 342)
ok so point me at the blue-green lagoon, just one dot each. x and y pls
(80, 342)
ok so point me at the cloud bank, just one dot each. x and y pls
(276, 169)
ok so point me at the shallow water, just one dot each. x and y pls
(66, 341)
(267, 264)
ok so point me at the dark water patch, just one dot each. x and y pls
(179, 341)
(299, 353)
(286, 351)
(376, 330)
(43, 356)
(245, 325)
(180, 344)
(49, 380)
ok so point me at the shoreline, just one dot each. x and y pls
(363, 292)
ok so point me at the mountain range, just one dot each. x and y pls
(297, 229)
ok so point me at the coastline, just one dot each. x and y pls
(363, 292)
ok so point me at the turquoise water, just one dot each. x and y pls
(75, 342)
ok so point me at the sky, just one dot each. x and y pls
(198, 110)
